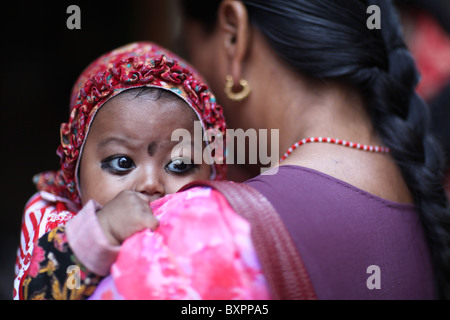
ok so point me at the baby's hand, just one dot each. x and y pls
(126, 214)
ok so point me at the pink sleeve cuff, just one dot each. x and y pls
(88, 242)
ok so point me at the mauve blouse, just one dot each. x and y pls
(354, 244)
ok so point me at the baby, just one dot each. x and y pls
(117, 157)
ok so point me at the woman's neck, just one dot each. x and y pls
(301, 107)
(308, 109)
(321, 110)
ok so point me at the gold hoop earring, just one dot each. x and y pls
(236, 96)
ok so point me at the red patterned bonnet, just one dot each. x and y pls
(141, 64)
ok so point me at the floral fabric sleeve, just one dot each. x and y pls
(55, 272)
(43, 212)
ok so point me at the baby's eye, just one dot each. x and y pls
(180, 165)
(118, 164)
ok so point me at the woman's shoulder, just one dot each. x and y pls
(309, 186)
(337, 226)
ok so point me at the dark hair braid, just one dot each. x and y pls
(329, 39)
(402, 120)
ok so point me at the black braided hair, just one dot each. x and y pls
(402, 120)
(329, 39)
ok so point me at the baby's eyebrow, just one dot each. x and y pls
(127, 141)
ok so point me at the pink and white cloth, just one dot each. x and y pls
(201, 250)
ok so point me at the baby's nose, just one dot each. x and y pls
(152, 197)
(151, 185)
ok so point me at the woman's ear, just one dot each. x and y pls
(233, 22)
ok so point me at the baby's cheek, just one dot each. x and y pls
(97, 187)
(204, 173)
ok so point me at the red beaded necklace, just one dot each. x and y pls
(344, 143)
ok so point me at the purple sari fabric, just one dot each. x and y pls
(354, 244)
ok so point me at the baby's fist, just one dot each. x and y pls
(127, 213)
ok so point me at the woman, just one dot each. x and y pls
(368, 225)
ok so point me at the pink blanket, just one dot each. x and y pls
(201, 250)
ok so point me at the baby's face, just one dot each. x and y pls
(129, 148)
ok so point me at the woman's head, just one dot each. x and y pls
(321, 40)
(330, 40)
(124, 108)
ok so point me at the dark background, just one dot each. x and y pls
(41, 59)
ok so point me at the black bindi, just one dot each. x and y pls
(151, 149)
